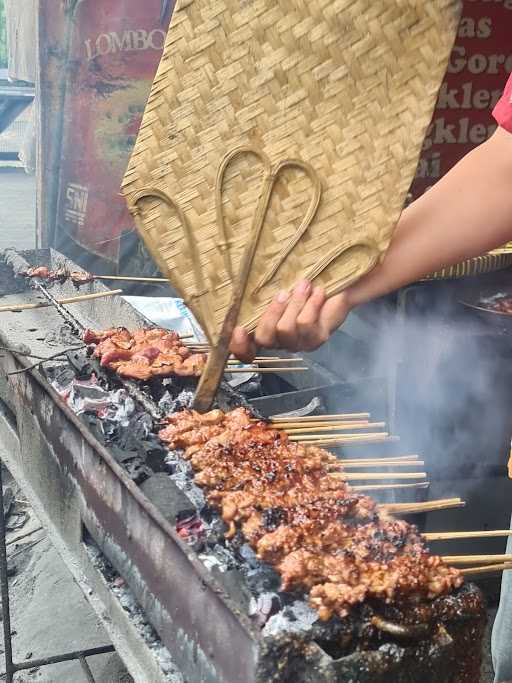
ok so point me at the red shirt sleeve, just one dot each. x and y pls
(502, 112)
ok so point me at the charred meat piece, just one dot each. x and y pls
(315, 530)
(40, 271)
(145, 353)
(502, 305)
(78, 277)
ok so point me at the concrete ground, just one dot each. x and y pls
(49, 613)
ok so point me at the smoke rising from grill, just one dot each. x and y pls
(452, 385)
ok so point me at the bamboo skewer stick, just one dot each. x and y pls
(70, 300)
(429, 506)
(385, 463)
(487, 569)
(312, 426)
(343, 439)
(454, 499)
(334, 428)
(483, 559)
(131, 278)
(338, 442)
(377, 476)
(387, 487)
(322, 418)
(267, 361)
(379, 461)
(454, 535)
(316, 438)
(257, 370)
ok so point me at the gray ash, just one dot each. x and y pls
(130, 605)
(64, 335)
(172, 403)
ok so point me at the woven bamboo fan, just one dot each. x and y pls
(278, 142)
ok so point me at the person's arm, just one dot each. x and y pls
(466, 213)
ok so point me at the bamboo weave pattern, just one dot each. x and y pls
(283, 136)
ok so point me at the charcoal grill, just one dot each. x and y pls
(86, 499)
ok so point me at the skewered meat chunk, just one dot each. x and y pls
(502, 305)
(144, 354)
(319, 534)
(37, 271)
(78, 277)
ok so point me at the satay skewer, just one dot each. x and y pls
(387, 487)
(131, 278)
(483, 559)
(455, 535)
(63, 275)
(312, 426)
(385, 463)
(332, 428)
(345, 439)
(265, 361)
(377, 476)
(383, 460)
(257, 370)
(69, 300)
(429, 506)
(487, 569)
(322, 418)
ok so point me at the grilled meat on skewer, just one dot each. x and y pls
(77, 277)
(60, 275)
(314, 529)
(144, 354)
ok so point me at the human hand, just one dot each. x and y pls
(300, 321)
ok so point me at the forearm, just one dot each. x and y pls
(468, 212)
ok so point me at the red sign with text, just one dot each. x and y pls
(479, 66)
(116, 46)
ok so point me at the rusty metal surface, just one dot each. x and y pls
(76, 465)
(113, 507)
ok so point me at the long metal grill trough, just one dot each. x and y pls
(115, 502)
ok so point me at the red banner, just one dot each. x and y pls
(480, 64)
(116, 46)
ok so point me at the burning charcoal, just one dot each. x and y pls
(88, 396)
(155, 455)
(177, 466)
(191, 530)
(61, 378)
(196, 495)
(263, 579)
(84, 366)
(137, 470)
(123, 409)
(210, 561)
(225, 558)
(264, 606)
(170, 403)
(249, 556)
(296, 618)
(272, 518)
(167, 498)
(122, 455)
(216, 532)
